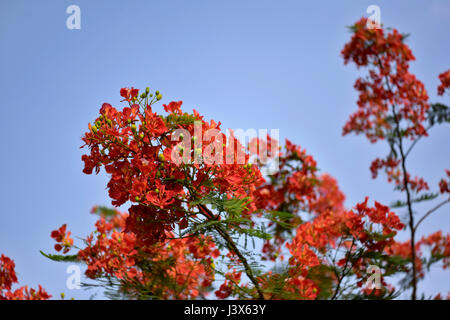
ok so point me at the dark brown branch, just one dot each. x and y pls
(233, 248)
(406, 187)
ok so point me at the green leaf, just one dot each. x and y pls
(105, 211)
(280, 218)
(61, 258)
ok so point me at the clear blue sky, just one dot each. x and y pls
(250, 64)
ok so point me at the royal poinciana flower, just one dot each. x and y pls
(62, 237)
(196, 196)
(173, 185)
(444, 77)
(393, 106)
(8, 277)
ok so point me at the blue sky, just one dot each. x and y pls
(249, 64)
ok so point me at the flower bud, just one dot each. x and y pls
(157, 190)
(158, 96)
(147, 90)
(133, 127)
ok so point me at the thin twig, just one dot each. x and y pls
(430, 212)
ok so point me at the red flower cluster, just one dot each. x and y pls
(444, 184)
(444, 77)
(8, 277)
(136, 148)
(388, 86)
(437, 245)
(295, 187)
(174, 268)
(348, 231)
(393, 105)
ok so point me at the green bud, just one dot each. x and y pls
(151, 95)
(141, 136)
(133, 127)
(129, 121)
(109, 122)
(156, 92)
(161, 157)
(94, 129)
(158, 96)
(157, 190)
(143, 95)
(98, 124)
(147, 90)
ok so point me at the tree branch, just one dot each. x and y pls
(430, 212)
(233, 248)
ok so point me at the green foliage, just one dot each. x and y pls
(61, 258)
(174, 121)
(232, 219)
(424, 197)
(280, 218)
(105, 212)
(438, 113)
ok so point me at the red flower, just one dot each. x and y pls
(444, 77)
(129, 93)
(173, 107)
(62, 238)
